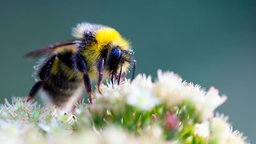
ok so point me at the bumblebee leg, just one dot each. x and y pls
(44, 73)
(45, 70)
(82, 66)
(120, 74)
(100, 67)
(133, 69)
(112, 79)
(34, 90)
(88, 86)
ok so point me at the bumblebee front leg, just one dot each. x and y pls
(133, 69)
(100, 68)
(43, 74)
(82, 66)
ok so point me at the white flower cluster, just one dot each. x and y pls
(174, 91)
(222, 133)
(16, 133)
(171, 90)
(139, 94)
(22, 122)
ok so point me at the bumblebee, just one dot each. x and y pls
(98, 52)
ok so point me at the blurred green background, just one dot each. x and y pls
(211, 43)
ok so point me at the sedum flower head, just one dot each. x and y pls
(167, 110)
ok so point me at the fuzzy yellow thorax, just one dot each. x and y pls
(106, 36)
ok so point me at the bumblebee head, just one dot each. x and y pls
(116, 57)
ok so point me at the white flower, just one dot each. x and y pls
(221, 132)
(113, 92)
(211, 102)
(169, 88)
(113, 135)
(202, 129)
(44, 127)
(205, 102)
(213, 99)
(194, 94)
(155, 132)
(141, 94)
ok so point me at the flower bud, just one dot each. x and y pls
(171, 121)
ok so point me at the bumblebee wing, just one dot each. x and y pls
(54, 47)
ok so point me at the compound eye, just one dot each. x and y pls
(116, 52)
